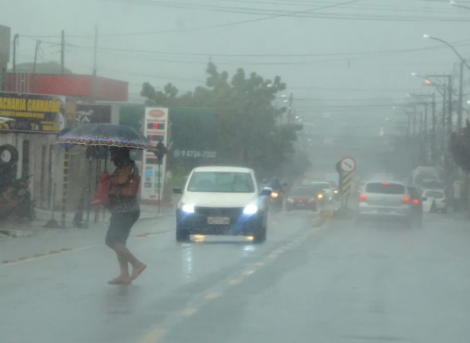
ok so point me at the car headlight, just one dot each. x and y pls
(335, 191)
(250, 209)
(188, 208)
(320, 196)
(274, 194)
(290, 200)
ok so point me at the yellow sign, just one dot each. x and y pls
(31, 112)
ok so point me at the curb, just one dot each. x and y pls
(15, 233)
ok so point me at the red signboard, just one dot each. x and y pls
(79, 86)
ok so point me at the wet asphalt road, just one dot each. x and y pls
(336, 283)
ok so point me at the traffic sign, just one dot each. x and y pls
(347, 165)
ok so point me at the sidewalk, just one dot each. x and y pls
(47, 242)
(14, 229)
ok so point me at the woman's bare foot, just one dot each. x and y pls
(120, 280)
(136, 271)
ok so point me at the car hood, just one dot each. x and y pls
(206, 199)
(300, 198)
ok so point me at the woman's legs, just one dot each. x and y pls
(118, 232)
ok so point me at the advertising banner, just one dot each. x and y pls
(31, 112)
(156, 124)
(194, 134)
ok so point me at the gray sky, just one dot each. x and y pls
(343, 30)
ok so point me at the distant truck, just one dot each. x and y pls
(421, 174)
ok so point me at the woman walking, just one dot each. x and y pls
(125, 211)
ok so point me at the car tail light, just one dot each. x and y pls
(386, 183)
(416, 202)
(362, 197)
(406, 200)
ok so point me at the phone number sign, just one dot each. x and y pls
(194, 154)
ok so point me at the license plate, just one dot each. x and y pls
(218, 220)
(384, 211)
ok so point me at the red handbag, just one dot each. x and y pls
(102, 193)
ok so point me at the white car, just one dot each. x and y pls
(222, 201)
(327, 189)
(436, 197)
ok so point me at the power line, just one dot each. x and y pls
(254, 11)
(354, 55)
(216, 25)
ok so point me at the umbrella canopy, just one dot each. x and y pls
(106, 135)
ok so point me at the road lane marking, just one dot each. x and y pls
(187, 312)
(248, 272)
(259, 264)
(272, 256)
(153, 336)
(8, 263)
(234, 282)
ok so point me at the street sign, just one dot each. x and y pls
(347, 165)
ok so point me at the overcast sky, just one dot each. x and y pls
(184, 34)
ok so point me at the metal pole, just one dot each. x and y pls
(449, 103)
(94, 90)
(433, 146)
(88, 208)
(443, 135)
(425, 138)
(65, 188)
(459, 113)
(62, 53)
(34, 65)
(15, 38)
(158, 188)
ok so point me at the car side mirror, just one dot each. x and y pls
(424, 199)
(177, 191)
(265, 192)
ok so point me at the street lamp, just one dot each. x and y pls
(456, 4)
(462, 63)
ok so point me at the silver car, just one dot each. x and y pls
(386, 200)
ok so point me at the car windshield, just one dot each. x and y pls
(333, 184)
(385, 188)
(434, 194)
(221, 182)
(302, 191)
(319, 186)
(433, 184)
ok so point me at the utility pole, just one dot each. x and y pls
(94, 90)
(15, 40)
(62, 53)
(459, 113)
(38, 43)
(449, 104)
(425, 137)
(434, 138)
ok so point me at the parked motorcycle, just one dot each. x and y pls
(15, 199)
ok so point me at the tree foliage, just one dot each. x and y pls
(460, 147)
(248, 132)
